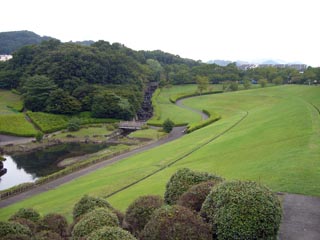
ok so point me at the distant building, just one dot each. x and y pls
(299, 67)
(5, 57)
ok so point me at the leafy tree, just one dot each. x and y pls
(278, 80)
(203, 83)
(36, 90)
(246, 84)
(234, 86)
(61, 102)
(39, 136)
(168, 125)
(74, 124)
(263, 82)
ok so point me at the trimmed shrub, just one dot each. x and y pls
(26, 213)
(111, 233)
(242, 210)
(87, 204)
(47, 235)
(119, 214)
(168, 125)
(140, 211)
(55, 223)
(27, 223)
(13, 228)
(74, 124)
(16, 237)
(182, 180)
(195, 196)
(176, 222)
(94, 220)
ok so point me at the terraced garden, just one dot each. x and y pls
(268, 135)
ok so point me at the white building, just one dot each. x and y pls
(5, 57)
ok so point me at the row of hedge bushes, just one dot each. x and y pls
(48, 122)
(219, 210)
(213, 117)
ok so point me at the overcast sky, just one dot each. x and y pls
(198, 29)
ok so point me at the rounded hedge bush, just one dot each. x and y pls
(196, 195)
(94, 220)
(26, 213)
(176, 222)
(55, 223)
(182, 180)
(16, 237)
(13, 228)
(111, 233)
(242, 210)
(140, 211)
(47, 235)
(87, 204)
(27, 223)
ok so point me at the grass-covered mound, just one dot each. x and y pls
(176, 222)
(140, 211)
(182, 180)
(242, 210)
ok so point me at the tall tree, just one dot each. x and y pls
(203, 83)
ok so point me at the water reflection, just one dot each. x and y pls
(30, 166)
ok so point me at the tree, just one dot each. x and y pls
(263, 82)
(61, 102)
(246, 84)
(168, 125)
(36, 90)
(203, 83)
(278, 80)
(234, 86)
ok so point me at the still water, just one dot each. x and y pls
(28, 167)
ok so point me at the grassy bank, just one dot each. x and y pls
(267, 135)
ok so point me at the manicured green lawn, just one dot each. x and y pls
(16, 124)
(9, 102)
(150, 133)
(277, 143)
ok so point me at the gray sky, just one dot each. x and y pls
(197, 29)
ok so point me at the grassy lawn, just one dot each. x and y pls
(277, 143)
(150, 133)
(10, 102)
(16, 124)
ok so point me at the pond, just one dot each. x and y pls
(28, 167)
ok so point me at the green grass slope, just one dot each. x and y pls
(267, 135)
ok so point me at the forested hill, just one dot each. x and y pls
(68, 78)
(12, 41)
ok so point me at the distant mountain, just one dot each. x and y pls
(12, 41)
(220, 62)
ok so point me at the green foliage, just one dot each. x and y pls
(36, 91)
(278, 80)
(55, 223)
(27, 223)
(176, 222)
(74, 124)
(61, 102)
(21, 126)
(111, 233)
(26, 213)
(182, 180)
(109, 105)
(13, 228)
(92, 221)
(47, 235)
(140, 211)
(39, 136)
(195, 196)
(246, 84)
(234, 86)
(87, 204)
(203, 83)
(242, 210)
(263, 82)
(213, 117)
(16, 237)
(168, 125)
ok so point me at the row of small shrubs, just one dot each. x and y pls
(213, 117)
(48, 122)
(175, 98)
(196, 206)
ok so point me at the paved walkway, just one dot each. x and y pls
(301, 218)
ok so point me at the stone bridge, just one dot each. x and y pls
(134, 125)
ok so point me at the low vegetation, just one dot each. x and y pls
(16, 124)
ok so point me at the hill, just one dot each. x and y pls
(12, 41)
